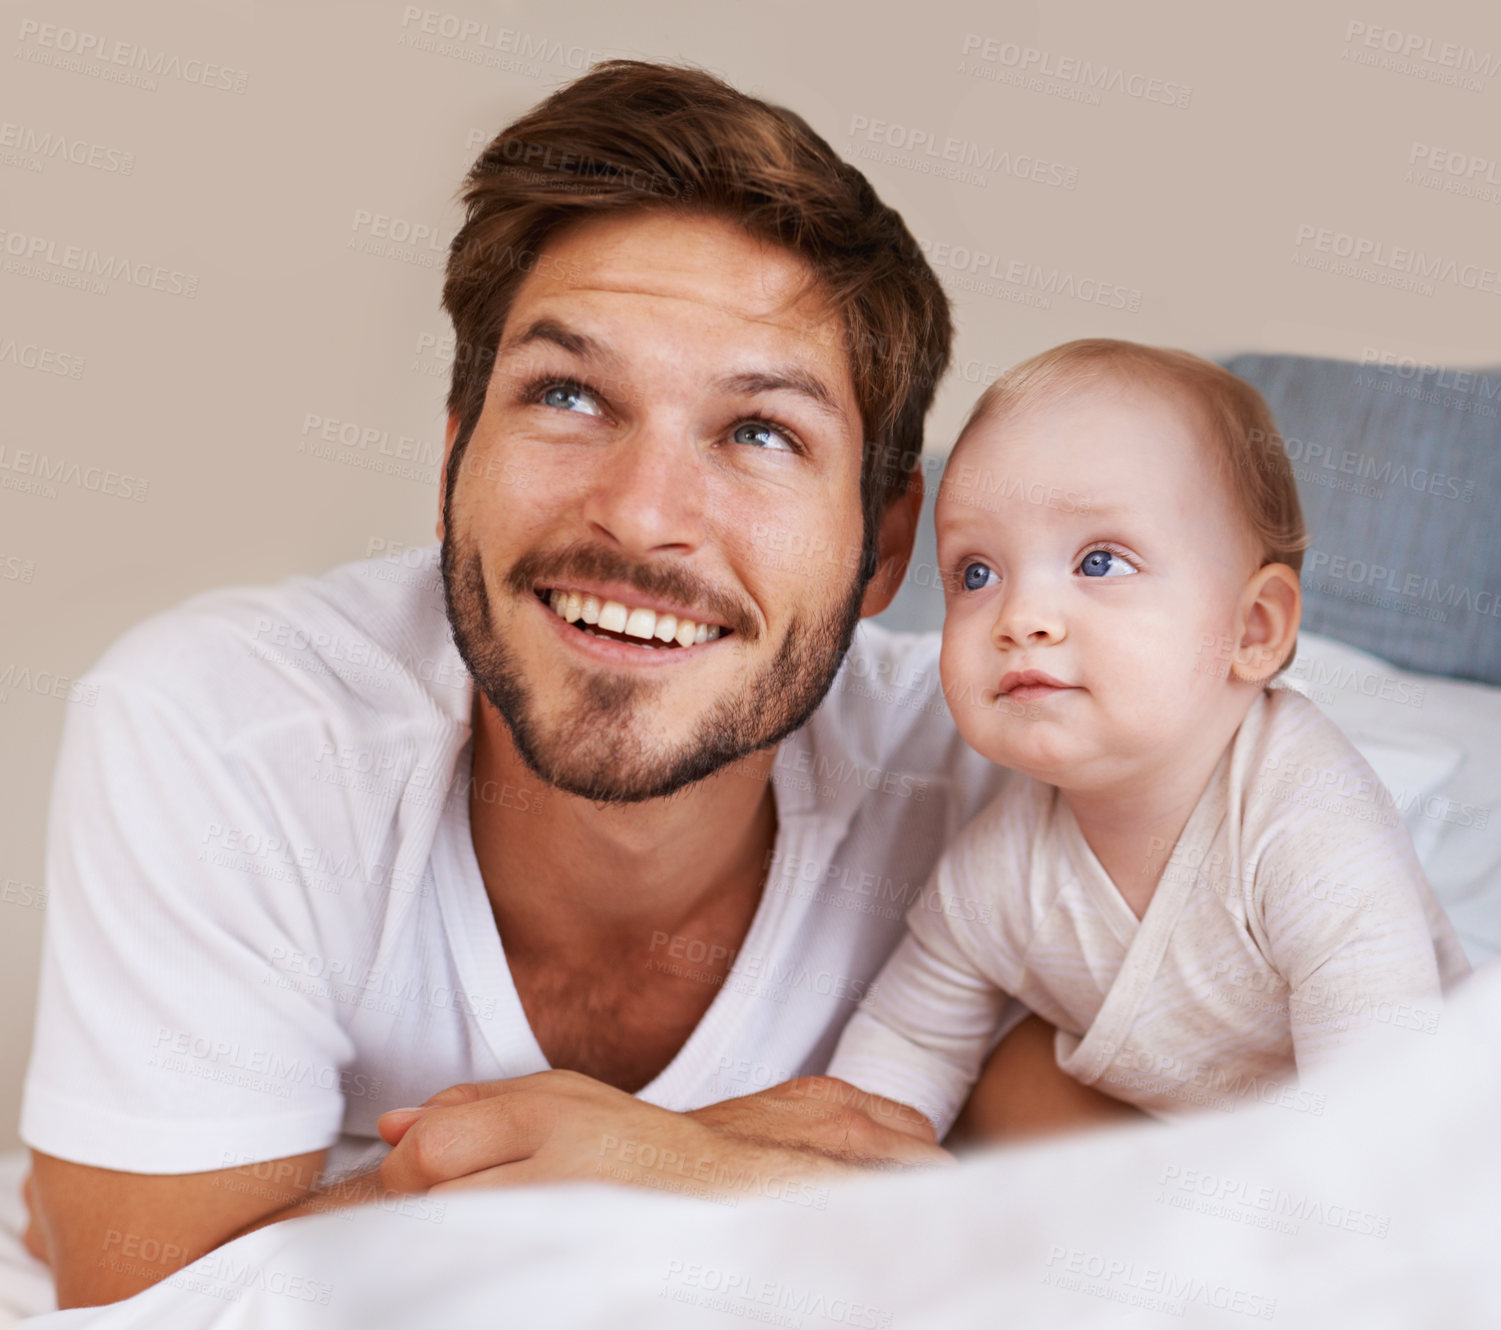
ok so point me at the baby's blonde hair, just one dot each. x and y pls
(1241, 426)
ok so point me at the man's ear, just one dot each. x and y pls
(452, 434)
(894, 546)
(1266, 625)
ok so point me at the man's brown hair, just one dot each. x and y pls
(630, 135)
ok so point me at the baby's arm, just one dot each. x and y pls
(1359, 938)
(934, 1011)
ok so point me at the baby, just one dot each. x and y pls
(1196, 879)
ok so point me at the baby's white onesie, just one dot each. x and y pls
(1291, 920)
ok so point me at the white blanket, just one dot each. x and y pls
(1382, 1209)
(25, 1283)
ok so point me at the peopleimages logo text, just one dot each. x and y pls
(1070, 69)
(1360, 249)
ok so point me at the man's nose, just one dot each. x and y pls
(1028, 616)
(646, 493)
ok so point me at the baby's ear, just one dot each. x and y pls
(1267, 619)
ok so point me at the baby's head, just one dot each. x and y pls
(1123, 520)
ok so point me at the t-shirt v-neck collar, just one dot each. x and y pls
(479, 953)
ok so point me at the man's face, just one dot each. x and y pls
(670, 428)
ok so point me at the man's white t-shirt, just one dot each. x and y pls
(266, 924)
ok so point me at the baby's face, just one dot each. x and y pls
(1090, 541)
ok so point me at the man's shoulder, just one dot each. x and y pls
(367, 638)
(886, 688)
(886, 710)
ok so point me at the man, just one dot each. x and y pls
(324, 849)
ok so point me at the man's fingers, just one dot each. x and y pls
(523, 1173)
(394, 1123)
(829, 1117)
(445, 1143)
(812, 1090)
(910, 1152)
(502, 1175)
(466, 1093)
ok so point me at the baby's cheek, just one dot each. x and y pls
(1152, 676)
(1178, 676)
(961, 667)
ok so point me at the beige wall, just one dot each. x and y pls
(1196, 216)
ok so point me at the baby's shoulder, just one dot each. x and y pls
(1309, 801)
(1295, 724)
(1292, 757)
(1008, 828)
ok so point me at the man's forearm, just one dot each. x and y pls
(336, 1194)
(829, 1118)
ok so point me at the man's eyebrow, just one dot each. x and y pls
(550, 330)
(784, 378)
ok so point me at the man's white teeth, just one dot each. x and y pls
(614, 617)
(641, 623)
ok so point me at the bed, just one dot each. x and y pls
(1399, 468)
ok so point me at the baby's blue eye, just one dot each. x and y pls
(1102, 563)
(567, 397)
(759, 435)
(975, 575)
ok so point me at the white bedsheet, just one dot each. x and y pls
(1436, 744)
(25, 1283)
(1382, 1210)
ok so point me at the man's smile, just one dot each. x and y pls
(638, 627)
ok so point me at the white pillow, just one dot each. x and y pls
(1436, 744)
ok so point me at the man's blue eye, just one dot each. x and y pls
(761, 436)
(1102, 563)
(566, 397)
(975, 575)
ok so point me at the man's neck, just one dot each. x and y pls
(561, 871)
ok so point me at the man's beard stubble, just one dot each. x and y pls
(598, 753)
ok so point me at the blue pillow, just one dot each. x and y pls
(1399, 475)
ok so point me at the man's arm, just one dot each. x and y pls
(140, 909)
(109, 1234)
(112, 1234)
(558, 1125)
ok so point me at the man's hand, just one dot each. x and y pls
(830, 1117)
(560, 1125)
